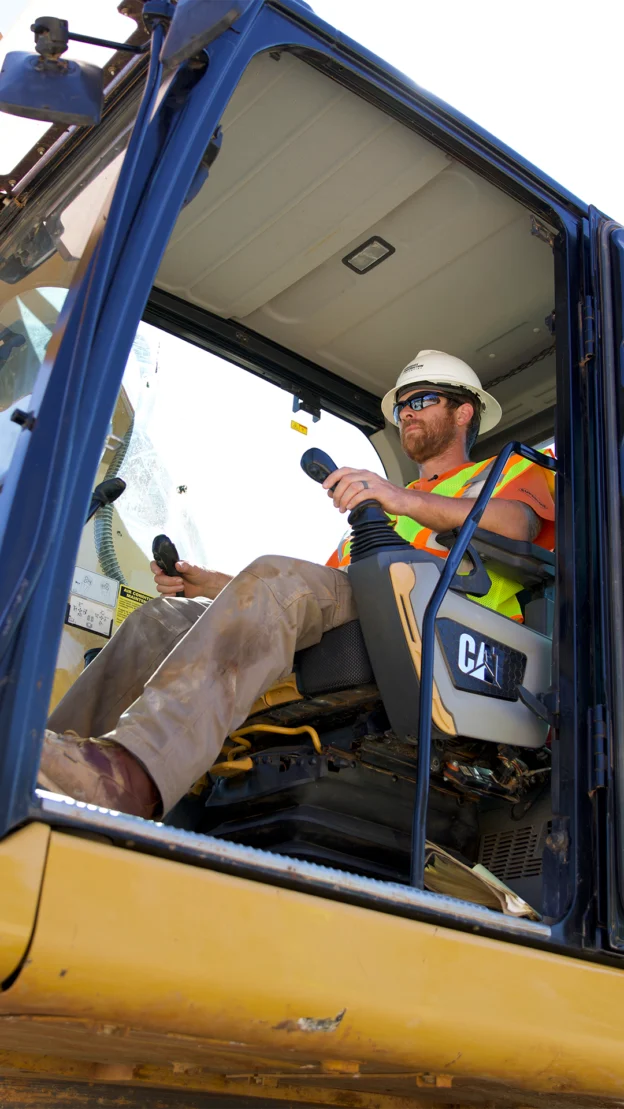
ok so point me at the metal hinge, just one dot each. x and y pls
(598, 747)
(208, 160)
(541, 231)
(588, 330)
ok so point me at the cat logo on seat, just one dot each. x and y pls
(480, 661)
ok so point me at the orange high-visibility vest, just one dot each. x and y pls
(465, 482)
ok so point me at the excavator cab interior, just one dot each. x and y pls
(329, 243)
(340, 789)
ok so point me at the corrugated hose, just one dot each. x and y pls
(103, 519)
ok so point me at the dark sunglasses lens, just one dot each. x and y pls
(417, 403)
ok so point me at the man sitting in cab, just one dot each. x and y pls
(181, 674)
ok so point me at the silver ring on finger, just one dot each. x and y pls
(365, 484)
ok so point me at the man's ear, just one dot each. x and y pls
(463, 414)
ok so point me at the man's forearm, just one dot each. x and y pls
(508, 518)
(216, 583)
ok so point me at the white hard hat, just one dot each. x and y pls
(443, 369)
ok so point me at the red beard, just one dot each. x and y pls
(422, 441)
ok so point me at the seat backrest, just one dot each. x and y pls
(481, 657)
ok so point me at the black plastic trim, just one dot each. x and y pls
(263, 357)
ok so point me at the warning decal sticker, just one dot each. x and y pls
(129, 599)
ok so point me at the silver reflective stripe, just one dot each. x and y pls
(480, 478)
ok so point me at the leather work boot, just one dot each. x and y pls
(99, 772)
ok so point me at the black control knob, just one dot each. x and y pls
(317, 465)
(165, 555)
(371, 528)
(105, 493)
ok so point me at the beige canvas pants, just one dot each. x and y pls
(180, 674)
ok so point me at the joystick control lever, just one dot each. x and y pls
(105, 493)
(165, 556)
(317, 465)
(371, 528)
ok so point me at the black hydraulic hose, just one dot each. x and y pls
(103, 519)
(452, 564)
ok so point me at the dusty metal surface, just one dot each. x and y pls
(170, 975)
(37, 1093)
(28, 1082)
(210, 852)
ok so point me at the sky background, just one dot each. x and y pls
(544, 77)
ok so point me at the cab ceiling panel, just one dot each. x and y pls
(305, 168)
(307, 173)
(463, 275)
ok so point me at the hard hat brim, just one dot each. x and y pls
(491, 411)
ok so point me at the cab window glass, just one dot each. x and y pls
(210, 457)
(38, 263)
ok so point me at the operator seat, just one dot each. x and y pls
(481, 657)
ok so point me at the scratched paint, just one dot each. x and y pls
(311, 1024)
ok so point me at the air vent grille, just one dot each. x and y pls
(516, 853)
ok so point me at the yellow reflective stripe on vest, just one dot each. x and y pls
(407, 528)
(502, 595)
(514, 472)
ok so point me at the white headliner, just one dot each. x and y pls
(306, 173)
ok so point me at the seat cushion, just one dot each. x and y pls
(339, 661)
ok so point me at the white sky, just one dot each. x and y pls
(544, 77)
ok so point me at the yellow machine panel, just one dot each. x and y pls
(22, 861)
(177, 977)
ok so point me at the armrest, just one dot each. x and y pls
(525, 562)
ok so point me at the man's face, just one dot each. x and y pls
(428, 433)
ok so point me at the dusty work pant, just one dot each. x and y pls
(180, 675)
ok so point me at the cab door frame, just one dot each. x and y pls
(605, 369)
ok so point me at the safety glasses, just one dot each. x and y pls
(416, 403)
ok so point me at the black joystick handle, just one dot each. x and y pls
(165, 556)
(371, 529)
(317, 465)
(105, 493)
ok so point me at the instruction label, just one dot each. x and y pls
(129, 599)
(94, 587)
(90, 615)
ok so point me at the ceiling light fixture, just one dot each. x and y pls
(370, 254)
